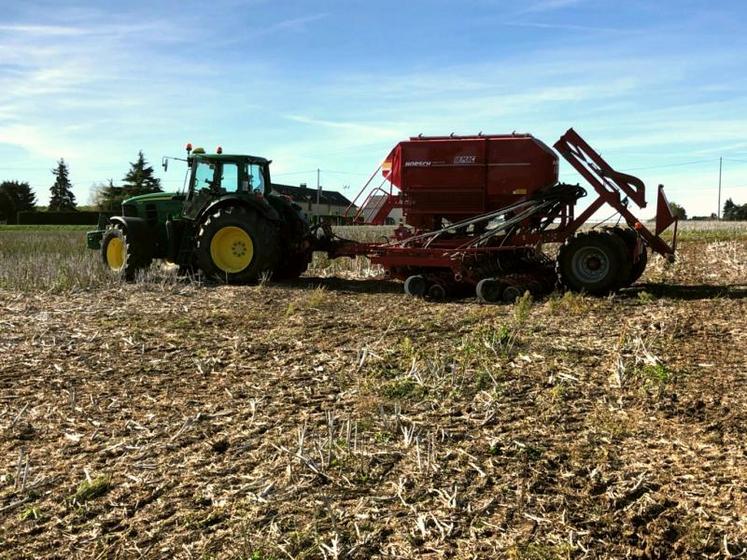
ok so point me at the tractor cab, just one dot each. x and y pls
(220, 176)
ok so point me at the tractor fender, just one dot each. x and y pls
(138, 231)
(258, 204)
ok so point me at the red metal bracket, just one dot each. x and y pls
(610, 184)
(598, 172)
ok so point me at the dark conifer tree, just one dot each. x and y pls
(7, 208)
(111, 197)
(62, 198)
(21, 193)
(140, 178)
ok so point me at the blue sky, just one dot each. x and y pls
(658, 87)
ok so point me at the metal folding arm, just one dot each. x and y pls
(611, 185)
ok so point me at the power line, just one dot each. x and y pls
(345, 173)
(294, 173)
(670, 165)
(680, 164)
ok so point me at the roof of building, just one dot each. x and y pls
(305, 194)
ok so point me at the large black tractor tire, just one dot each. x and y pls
(296, 256)
(237, 246)
(630, 237)
(595, 262)
(121, 255)
(292, 267)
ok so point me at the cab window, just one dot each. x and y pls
(204, 175)
(229, 181)
(255, 178)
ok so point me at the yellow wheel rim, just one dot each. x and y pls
(115, 253)
(231, 249)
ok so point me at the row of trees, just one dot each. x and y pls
(733, 212)
(678, 211)
(15, 197)
(18, 196)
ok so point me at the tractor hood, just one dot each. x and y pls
(154, 197)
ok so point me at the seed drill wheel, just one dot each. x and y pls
(437, 292)
(639, 266)
(121, 255)
(630, 237)
(490, 290)
(596, 262)
(416, 286)
(512, 293)
(237, 245)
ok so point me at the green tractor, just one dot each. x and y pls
(227, 223)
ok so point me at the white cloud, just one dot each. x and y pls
(42, 30)
(38, 141)
(95, 88)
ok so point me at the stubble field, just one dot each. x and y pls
(336, 418)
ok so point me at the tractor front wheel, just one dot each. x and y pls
(594, 262)
(121, 255)
(236, 245)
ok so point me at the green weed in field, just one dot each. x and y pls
(90, 489)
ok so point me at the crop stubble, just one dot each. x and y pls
(338, 418)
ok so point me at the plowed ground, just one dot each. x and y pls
(340, 419)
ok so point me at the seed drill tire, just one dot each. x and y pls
(416, 286)
(595, 262)
(264, 241)
(630, 237)
(638, 268)
(490, 290)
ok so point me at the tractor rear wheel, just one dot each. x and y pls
(236, 245)
(292, 268)
(296, 250)
(595, 262)
(121, 255)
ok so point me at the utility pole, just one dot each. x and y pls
(318, 187)
(720, 165)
